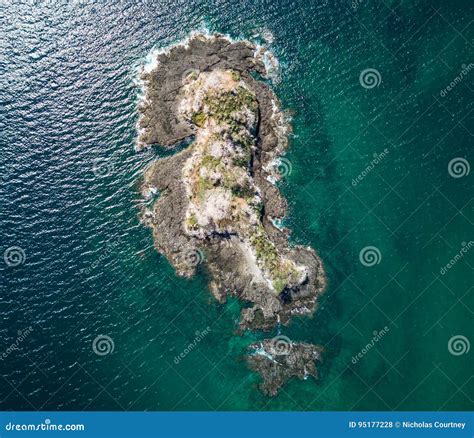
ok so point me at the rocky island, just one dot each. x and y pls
(217, 200)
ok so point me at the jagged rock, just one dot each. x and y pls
(277, 360)
(217, 197)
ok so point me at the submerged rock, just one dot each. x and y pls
(217, 204)
(277, 360)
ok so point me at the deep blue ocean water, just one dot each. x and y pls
(69, 202)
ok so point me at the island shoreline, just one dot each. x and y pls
(179, 79)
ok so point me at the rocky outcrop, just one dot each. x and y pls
(217, 199)
(277, 360)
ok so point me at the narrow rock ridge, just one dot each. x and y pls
(217, 201)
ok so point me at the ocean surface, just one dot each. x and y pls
(377, 177)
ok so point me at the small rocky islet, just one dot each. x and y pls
(218, 201)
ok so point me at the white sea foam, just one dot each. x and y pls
(261, 53)
(270, 62)
(150, 62)
(277, 223)
(261, 352)
(268, 36)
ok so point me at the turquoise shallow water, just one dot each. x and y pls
(69, 201)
